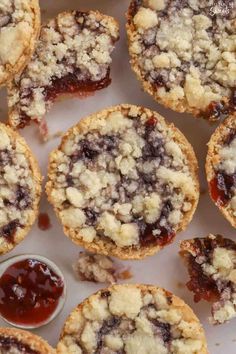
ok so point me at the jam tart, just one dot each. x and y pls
(72, 57)
(20, 188)
(221, 168)
(184, 53)
(19, 30)
(123, 181)
(132, 319)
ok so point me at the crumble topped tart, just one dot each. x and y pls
(19, 28)
(73, 56)
(16, 341)
(211, 263)
(221, 168)
(123, 182)
(184, 53)
(132, 319)
(20, 188)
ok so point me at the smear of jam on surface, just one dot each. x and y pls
(8, 343)
(44, 222)
(29, 292)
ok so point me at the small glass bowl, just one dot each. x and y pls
(10, 261)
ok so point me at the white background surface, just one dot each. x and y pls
(165, 268)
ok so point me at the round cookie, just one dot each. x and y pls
(20, 188)
(17, 341)
(123, 181)
(132, 319)
(19, 29)
(73, 57)
(184, 54)
(221, 168)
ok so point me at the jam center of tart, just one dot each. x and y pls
(29, 292)
(8, 343)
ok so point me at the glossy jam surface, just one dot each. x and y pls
(44, 222)
(8, 344)
(29, 292)
(68, 85)
(204, 286)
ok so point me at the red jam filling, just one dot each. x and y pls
(220, 187)
(29, 292)
(68, 85)
(147, 237)
(71, 85)
(203, 287)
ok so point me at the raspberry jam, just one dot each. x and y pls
(221, 188)
(30, 292)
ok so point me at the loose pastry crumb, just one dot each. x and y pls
(73, 56)
(184, 53)
(123, 182)
(125, 274)
(19, 27)
(20, 188)
(211, 265)
(132, 319)
(221, 168)
(96, 268)
(100, 269)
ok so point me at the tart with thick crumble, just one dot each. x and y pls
(19, 29)
(72, 57)
(123, 182)
(184, 53)
(20, 188)
(221, 168)
(132, 319)
(211, 263)
(15, 341)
